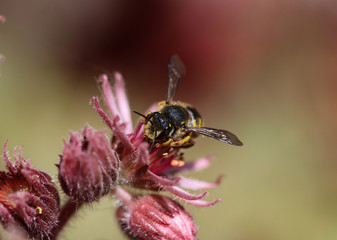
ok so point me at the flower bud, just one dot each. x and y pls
(28, 198)
(155, 217)
(89, 167)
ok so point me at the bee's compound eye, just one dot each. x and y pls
(160, 121)
(165, 125)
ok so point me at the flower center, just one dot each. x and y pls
(10, 185)
(161, 157)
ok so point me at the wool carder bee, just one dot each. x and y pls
(175, 123)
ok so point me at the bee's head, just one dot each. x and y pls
(157, 123)
(157, 127)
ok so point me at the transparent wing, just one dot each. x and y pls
(176, 72)
(218, 134)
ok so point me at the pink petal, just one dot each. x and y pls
(8, 163)
(195, 165)
(6, 215)
(198, 164)
(202, 203)
(153, 107)
(198, 185)
(109, 98)
(163, 181)
(122, 101)
(143, 157)
(100, 111)
(119, 131)
(115, 125)
(183, 194)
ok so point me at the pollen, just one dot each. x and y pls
(39, 209)
(177, 163)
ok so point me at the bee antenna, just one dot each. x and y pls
(142, 115)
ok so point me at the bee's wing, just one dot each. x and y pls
(218, 134)
(176, 72)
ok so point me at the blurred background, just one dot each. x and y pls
(265, 70)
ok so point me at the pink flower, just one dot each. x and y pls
(154, 217)
(28, 198)
(88, 168)
(155, 170)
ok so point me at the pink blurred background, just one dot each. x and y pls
(265, 70)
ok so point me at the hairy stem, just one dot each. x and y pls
(68, 210)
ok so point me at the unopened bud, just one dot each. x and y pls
(89, 167)
(155, 217)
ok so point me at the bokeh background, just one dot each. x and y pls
(265, 70)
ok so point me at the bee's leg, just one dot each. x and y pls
(167, 142)
(188, 144)
(181, 141)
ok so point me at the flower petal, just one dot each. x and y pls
(5, 216)
(100, 111)
(192, 166)
(183, 194)
(109, 97)
(8, 163)
(161, 180)
(122, 102)
(202, 203)
(194, 184)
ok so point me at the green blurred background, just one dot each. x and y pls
(265, 70)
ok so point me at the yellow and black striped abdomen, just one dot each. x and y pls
(195, 119)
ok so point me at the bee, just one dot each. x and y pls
(175, 123)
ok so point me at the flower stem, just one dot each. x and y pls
(124, 196)
(68, 210)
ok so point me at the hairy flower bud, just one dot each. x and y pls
(28, 198)
(154, 217)
(89, 167)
